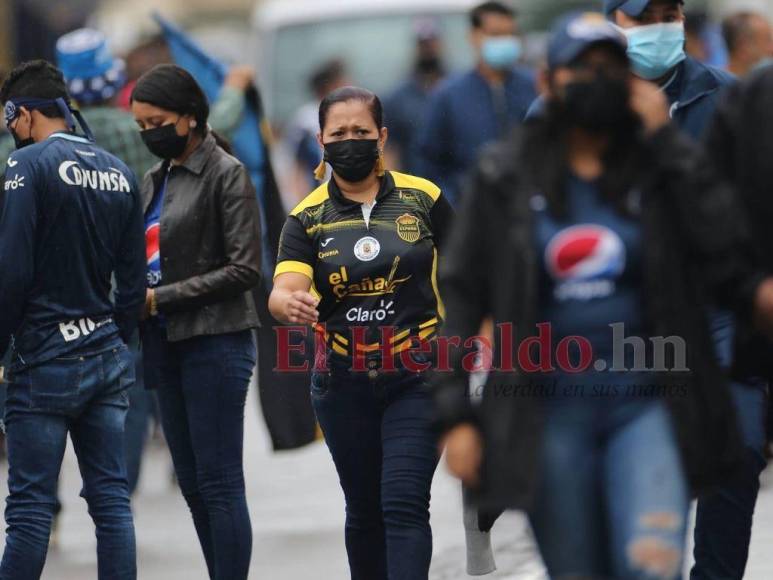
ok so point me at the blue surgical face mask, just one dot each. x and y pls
(501, 52)
(655, 49)
(764, 63)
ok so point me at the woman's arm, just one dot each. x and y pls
(228, 110)
(442, 217)
(241, 236)
(464, 287)
(291, 302)
(466, 268)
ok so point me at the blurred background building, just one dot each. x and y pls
(288, 41)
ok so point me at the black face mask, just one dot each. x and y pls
(164, 142)
(429, 65)
(353, 159)
(19, 142)
(22, 143)
(600, 105)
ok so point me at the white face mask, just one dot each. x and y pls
(655, 49)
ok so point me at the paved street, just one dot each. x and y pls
(297, 518)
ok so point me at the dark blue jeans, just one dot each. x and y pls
(202, 386)
(85, 396)
(723, 524)
(141, 405)
(378, 432)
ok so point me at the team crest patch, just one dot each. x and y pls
(408, 228)
(367, 248)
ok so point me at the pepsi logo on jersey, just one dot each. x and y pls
(585, 261)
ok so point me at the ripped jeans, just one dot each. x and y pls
(613, 499)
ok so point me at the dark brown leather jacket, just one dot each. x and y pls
(209, 243)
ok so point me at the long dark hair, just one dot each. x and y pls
(545, 158)
(172, 88)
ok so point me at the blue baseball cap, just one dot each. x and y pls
(92, 74)
(575, 33)
(632, 8)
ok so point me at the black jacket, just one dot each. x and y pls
(209, 243)
(693, 254)
(740, 145)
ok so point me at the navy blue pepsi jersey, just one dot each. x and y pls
(71, 220)
(591, 269)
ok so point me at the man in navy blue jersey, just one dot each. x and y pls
(71, 221)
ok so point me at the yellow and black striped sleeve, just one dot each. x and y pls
(296, 252)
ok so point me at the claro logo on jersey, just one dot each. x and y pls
(378, 286)
(376, 315)
(113, 180)
(16, 183)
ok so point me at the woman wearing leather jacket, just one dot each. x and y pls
(203, 249)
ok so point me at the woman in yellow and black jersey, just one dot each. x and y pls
(358, 259)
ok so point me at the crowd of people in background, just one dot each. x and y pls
(614, 195)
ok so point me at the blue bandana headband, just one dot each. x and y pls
(13, 110)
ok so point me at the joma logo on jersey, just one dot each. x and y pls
(72, 174)
(368, 286)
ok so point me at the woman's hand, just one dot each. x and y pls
(763, 307)
(464, 453)
(300, 307)
(291, 300)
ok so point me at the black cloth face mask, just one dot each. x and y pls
(600, 105)
(21, 143)
(164, 142)
(353, 159)
(18, 141)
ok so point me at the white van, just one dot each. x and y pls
(373, 37)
